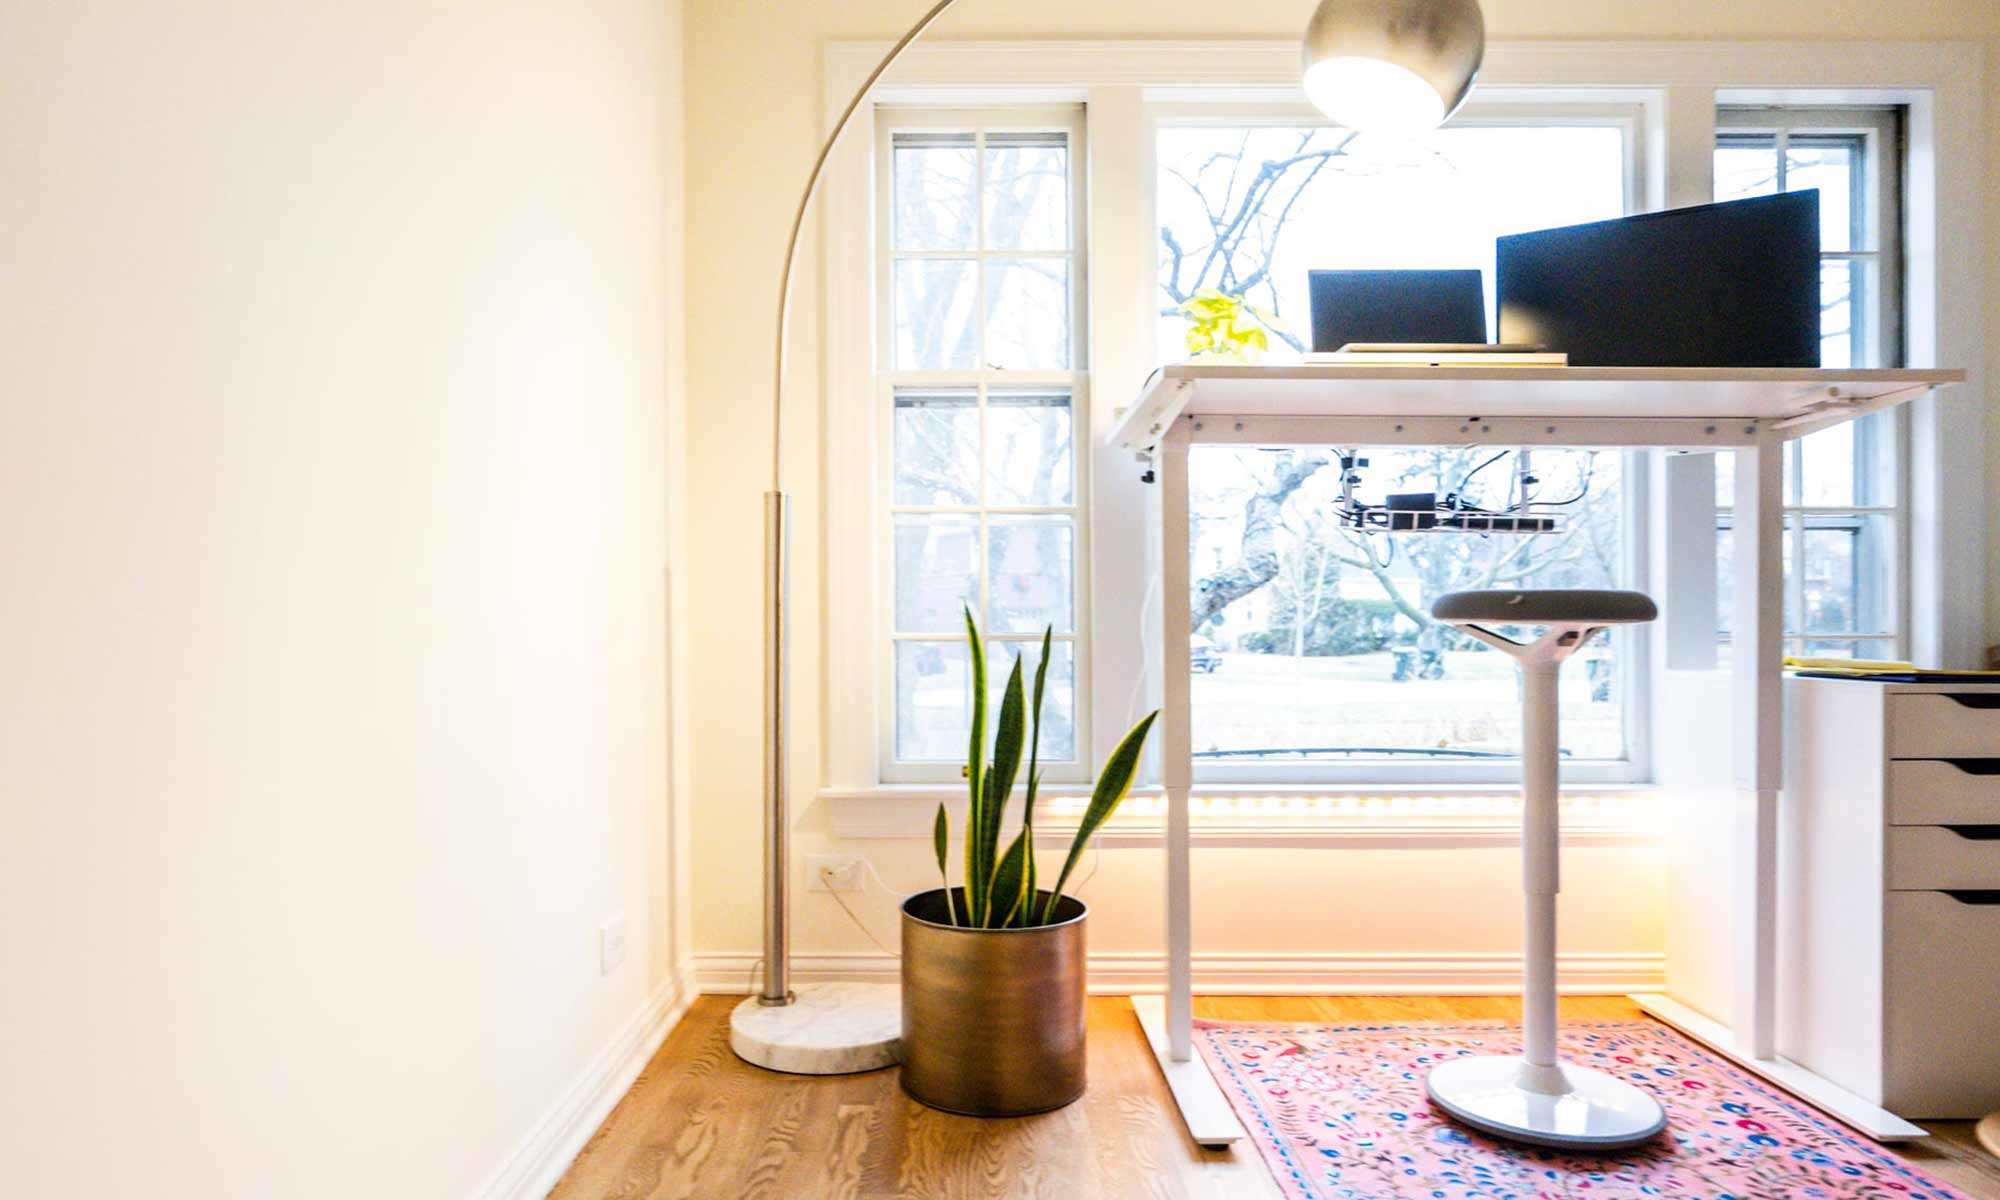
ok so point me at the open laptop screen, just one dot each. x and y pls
(1423, 307)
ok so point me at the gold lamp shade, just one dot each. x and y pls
(1393, 66)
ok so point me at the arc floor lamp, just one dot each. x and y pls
(1391, 66)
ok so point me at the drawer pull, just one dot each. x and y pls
(1970, 766)
(1979, 896)
(1977, 833)
(1974, 699)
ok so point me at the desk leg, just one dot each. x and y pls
(1176, 732)
(1756, 662)
(1169, 1026)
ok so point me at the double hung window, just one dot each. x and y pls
(982, 274)
(1845, 534)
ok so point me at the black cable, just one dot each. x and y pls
(1460, 489)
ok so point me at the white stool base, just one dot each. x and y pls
(1500, 1096)
(831, 1029)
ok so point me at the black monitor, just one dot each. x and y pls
(1718, 285)
(1421, 307)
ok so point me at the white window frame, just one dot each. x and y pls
(1879, 131)
(890, 120)
(1680, 86)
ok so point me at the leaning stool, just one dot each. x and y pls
(1535, 1098)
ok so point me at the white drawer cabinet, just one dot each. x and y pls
(1889, 892)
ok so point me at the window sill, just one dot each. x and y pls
(1447, 816)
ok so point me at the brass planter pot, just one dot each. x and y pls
(993, 1019)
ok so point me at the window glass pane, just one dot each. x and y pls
(1058, 696)
(933, 697)
(937, 572)
(1827, 465)
(1849, 581)
(1027, 314)
(936, 186)
(1314, 641)
(1027, 191)
(937, 447)
(933, 701)
(1829, 582)
(1828, 165)
(1030, 577)
(1746, 167)
(1029, 456)
(1792, 609)
(1876, 469)
(1837, 308)
(937, 314)
(1250, 211)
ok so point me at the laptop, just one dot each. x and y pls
(1391, 310)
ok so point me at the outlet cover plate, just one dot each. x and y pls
(611, 944)
(836, 873)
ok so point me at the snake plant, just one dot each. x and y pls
(1002, 887)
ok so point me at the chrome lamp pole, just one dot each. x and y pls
(823, 1029)
(1369, 64)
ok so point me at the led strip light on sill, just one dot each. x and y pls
(1597, 806)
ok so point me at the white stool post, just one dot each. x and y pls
(1541, 841)
(1535, 1098)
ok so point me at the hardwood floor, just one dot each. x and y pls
(700, 1123)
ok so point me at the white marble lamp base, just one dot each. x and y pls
(831, 1029)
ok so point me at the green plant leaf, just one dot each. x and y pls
(1028, 911)
(1008, 880)
(1008, 737)
(975, 757)
(941, 839)
(1113, 782)
(1034, 772)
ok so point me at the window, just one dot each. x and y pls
(1844, 520)
(1316, 657)
(982, 278)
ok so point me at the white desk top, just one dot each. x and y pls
(1796, 400)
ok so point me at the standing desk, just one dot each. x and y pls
(1751, 411)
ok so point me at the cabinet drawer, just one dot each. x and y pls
(1938, 792)
(1944, 725)
(1944, 856)
(1941, 991)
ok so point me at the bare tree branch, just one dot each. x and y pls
(1258, 561)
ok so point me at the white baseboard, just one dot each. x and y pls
(1256, 974)
(553, 1144)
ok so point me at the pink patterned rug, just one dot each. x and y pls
(1339, 1113)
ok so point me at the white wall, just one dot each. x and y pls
(339, 349)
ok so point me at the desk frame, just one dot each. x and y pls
(1168, 421)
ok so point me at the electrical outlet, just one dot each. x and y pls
(836, 873)
(611, 944)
